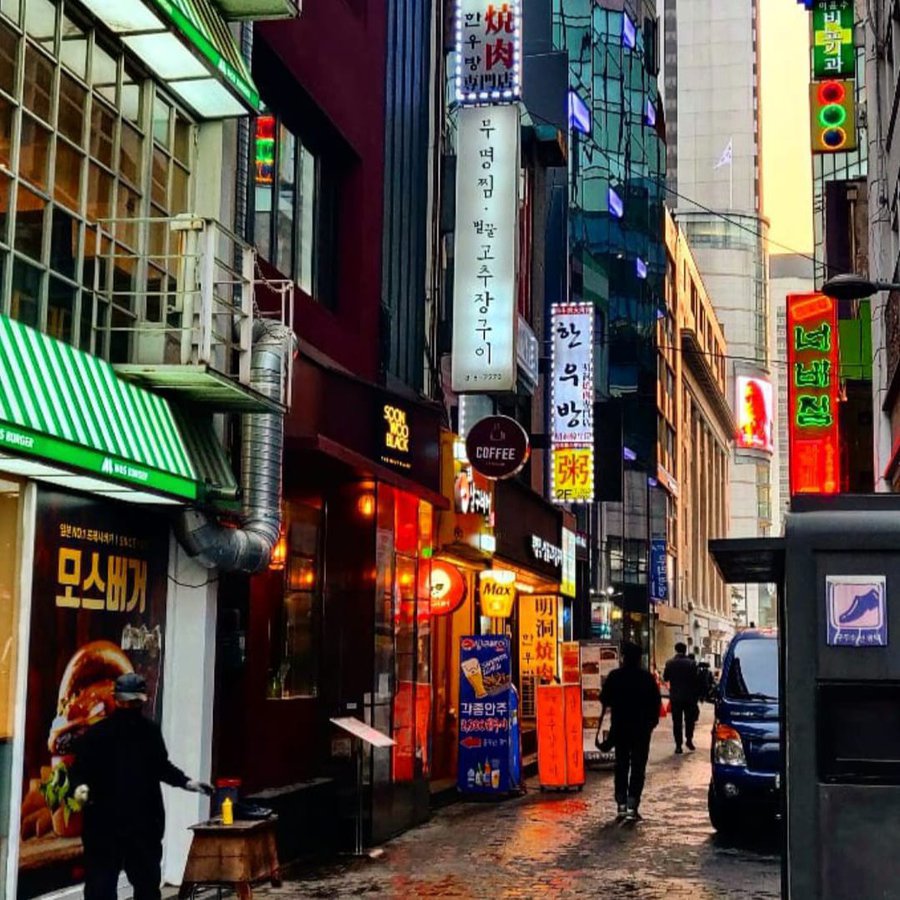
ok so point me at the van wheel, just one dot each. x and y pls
(722, 817)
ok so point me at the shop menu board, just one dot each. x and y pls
(597, 661)
(488, 731)
(97, 611)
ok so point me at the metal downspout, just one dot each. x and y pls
(249, 548)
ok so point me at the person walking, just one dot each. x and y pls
(681, 674)
(119, 764)
(631, 693)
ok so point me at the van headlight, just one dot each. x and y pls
(728, 748)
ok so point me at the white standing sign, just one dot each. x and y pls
(573, 374)
(484, 292)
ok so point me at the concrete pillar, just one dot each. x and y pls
(188, 693)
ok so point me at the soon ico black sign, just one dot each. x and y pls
(497, 447)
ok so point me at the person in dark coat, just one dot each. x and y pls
(119, 765)
(632, 694)
(681, 674)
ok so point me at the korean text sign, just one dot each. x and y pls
(538, 637)
(813, 361)
(489, 51)
(98, 610)
(572, 402)
(484, 292)
(834, 54)
(485, 710)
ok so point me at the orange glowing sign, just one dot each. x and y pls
(447, 588)
(754, 413)
(813, 372)
(498, 593)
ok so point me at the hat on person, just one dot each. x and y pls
(130, 687)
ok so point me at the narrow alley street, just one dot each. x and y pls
(568, 845)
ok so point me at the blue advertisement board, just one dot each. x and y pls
(488, 734)
(659, 572)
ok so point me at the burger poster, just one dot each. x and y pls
(97, 612)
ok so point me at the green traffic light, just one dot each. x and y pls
(832, 116)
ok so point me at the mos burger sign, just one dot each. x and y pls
(497, 447)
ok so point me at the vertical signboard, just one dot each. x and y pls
(568, 583)
(487, 758)
(538, 637)
(813, 371)
(659, 571)
(572, 403)
(488, 51)
(98, 611)
(484, 289)
(834, 55)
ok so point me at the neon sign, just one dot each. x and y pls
(813, 372)
(265, 149)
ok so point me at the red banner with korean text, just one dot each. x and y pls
(97, 611)
(813, 375)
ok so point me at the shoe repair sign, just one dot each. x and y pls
(857, 610)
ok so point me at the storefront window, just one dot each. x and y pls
(80, 104)
(295, 638)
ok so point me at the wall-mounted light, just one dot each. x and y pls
(279, 553)
(366, 505)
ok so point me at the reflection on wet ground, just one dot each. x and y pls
(568, 845)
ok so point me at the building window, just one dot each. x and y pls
(99, 154)
(294, 669)
(295, 215)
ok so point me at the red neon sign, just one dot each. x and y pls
(813, 373)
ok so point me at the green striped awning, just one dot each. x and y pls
(60, 405)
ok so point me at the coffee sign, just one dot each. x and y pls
(497, 447)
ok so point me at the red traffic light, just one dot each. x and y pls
(832, 92)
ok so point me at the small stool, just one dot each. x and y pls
(233, 856)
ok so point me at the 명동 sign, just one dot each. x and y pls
(856, 607)
(485, 322)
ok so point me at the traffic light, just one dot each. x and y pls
(832, 108)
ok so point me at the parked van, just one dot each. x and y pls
(746, 745)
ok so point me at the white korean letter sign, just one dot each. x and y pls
(488, 51)
(484, 291)
(573, 373)
(572, 403)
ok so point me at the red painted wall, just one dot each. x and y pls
(335, 51)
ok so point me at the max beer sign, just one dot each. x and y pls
(497, 447)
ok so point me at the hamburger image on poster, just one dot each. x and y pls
(86, 696)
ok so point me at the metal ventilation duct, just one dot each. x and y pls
(249, 548)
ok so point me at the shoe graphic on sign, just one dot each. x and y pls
(862, 604)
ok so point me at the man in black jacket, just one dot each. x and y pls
(681, 674)
(119, 765)
(632, 694)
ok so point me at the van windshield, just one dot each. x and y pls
(753, 673)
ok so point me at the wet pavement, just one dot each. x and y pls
(567, 845)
